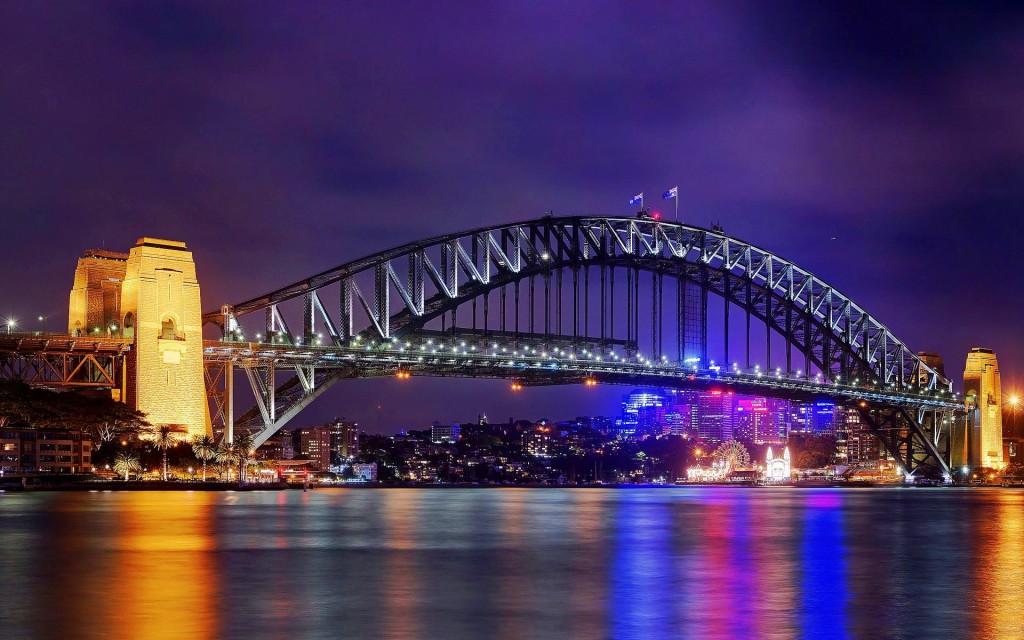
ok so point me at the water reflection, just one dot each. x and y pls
(1000, 572)
(161, 582)
(516, 563)
(823, 575)
(401, 587)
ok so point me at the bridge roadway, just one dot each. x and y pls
(531, 367)
(61, 358)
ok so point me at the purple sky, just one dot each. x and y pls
(280, 139)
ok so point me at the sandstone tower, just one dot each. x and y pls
(96, 296)
(982, 394)
(151, 296)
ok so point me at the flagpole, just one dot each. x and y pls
(677, 203)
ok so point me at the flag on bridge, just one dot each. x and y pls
(671, 193)
(637, 199)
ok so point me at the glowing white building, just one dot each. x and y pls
(777, 469)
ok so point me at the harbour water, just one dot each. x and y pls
(674, 562)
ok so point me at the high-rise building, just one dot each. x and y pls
(315, 446)
(638, 398)
(762, 422)
(824, 417)
(856, 442)
(778, 411)
(715, 415)
(983, 440)
(743, 422)
(344, 440)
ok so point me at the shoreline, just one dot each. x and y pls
(100, 487)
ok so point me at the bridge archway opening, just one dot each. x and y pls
(128, 326)
(167, 329)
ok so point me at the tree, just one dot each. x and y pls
(205, 449)
(812, 452)
(116, 421)
(104, 419)
(239, 452)
(165, 437)
(244, 449)
(126, 463)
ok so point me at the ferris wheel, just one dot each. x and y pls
(733, 454)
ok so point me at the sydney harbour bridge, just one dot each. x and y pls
(555, 300)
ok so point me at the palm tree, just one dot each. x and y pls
(244, 449)
(126, 463)
(165, 437)
(237, 453)
(227, 455)
(205, 449)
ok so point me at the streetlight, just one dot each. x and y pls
(11, 324)
(1014, 402)
(42, 321)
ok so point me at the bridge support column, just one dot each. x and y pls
(229, 402)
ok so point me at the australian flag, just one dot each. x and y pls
(671, 193)
(637, 199)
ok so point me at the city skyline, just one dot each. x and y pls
(881, 159)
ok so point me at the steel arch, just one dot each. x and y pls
(441, 274)
(505, 253)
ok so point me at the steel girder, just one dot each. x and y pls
(63, 361)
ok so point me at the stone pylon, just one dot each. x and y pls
(983, 440)
(149, 295)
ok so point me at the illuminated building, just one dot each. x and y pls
(824, 417)
(777, 469)
(344, 440)
(315, 446)
(717, 472)
(650, 420)
(637, 400)
(539, 441)
(366, 472)
(983, 399)
(856, 444)
(778, 411)
(743, 422)
(278, 447)
(753, 421)
(151, 296)
(714, 415)
(440, 433)
(44, 451)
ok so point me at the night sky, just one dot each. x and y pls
(880, 146)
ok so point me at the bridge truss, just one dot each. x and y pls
(60, 361)
(562, 300)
